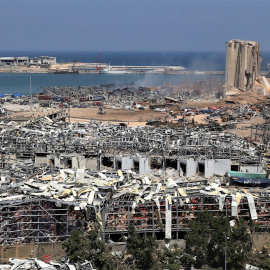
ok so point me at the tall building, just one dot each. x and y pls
(243, 62)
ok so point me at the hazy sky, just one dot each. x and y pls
(131, 25)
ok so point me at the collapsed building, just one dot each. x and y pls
(48, 206)
(57, 177)
(146, 149)
(102, 94)
(242, 64)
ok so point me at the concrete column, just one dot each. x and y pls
(221, 166)
(208, 168)
(191, 166)
(144, 166)
(127, 163)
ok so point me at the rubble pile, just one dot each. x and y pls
(93, 138)
(17, 264)
(49, 206)
(57, 177)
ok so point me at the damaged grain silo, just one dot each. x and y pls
(242, 64)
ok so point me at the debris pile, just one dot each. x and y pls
(17, 264)
(49, 206)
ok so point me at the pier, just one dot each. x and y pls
(95, 68)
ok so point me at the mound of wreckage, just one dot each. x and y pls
(157, 179)
(49, 206)
(17, 264)
(98, 146)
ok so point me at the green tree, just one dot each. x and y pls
(261, 258)
(172, 257)
(143, 250)
(76, 246)
(265, 264)
(207, 241)
(80, 247)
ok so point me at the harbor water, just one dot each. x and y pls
(19, 83)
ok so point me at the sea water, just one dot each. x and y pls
(19, 83)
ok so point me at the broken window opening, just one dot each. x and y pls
(235, 167)
(183, 168)
(201, 168)
(136, 166)
(156, 163)
(119, 165)
(107, 162)
(69, 163)
(41, 154)
(51, 161)
(171, 163)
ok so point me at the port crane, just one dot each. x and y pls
(73, 66)
(99, 62)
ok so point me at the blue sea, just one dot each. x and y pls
(193, 61)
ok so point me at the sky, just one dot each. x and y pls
(131, 25)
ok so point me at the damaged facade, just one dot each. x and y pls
(48, 206)
(57, 177)
(242, 64)
(145, 150)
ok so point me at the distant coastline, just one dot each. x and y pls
(189, 60)
(75, 67)
(91, 68)
(200, 61)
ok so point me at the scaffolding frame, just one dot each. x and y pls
(40, 220)
(146, 218)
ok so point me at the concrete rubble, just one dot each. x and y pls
(57, 177)
(94, 145)
(48, 206)
(34, 263)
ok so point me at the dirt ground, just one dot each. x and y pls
(131, 118)
(116, 115)
(244, 129)
(139, 118)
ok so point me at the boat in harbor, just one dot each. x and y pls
(110, 70)
(66, 71)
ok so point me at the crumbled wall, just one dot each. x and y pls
(243, 61)
(37, 250)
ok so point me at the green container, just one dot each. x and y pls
(247, 175)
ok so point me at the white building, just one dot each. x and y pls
(43, 60)
(25, 61)
(17, 61)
